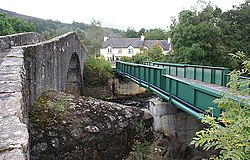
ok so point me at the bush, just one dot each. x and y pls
(233, 139)
(97, 71)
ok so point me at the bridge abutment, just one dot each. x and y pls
(174, 122)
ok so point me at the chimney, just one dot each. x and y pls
(105, 39)
(142, 37)
(169, 40)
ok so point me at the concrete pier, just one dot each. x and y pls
(125, 86)
(173, 122)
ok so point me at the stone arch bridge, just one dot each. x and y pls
(29, 66)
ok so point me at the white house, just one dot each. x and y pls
(115, 48)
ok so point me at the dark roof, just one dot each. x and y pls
(122, 42)
(163, 43)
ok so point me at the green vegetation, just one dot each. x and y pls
(141, 145)
(206, 37)
(47, 109)
(97, 71)
(13, 25)
(152, 34)
(92, 38)
(196, 40)
(202, 37)
(235, 28)
(232, 140)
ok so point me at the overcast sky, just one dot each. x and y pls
(112, 13)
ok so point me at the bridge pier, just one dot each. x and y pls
(174, 122)
(124, 86)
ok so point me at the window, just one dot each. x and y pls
(130, 50)
(119, 51)
(109, 50)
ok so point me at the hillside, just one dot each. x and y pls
(16, 15)
(51, 28)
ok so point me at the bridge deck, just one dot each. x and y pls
(208, 86)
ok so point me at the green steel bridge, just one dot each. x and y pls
(192, 88)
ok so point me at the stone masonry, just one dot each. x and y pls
(13, 132)
(25, 73)
(47, 64)
(20, 39)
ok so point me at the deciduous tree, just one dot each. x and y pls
(13, 25)
(197, 39)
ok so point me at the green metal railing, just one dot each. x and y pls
(146, 73)
(192, 93)
(162, 78)
(177, 91)
(213, 75)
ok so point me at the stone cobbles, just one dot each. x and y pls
(13, 133)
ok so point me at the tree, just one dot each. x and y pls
(131, 33)
(196, 38)
(5, 27)
(235, 27)
(94, 37)
(155, 53)
(97, 71)
(20, 26)
(156, 34)
(233, 139)
(13, 25)
(91, 38)
(141, 31)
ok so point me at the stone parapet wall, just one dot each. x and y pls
(13, 130)
(20, 39)
(47, 64)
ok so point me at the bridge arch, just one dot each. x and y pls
(74, 77)
(56, 64)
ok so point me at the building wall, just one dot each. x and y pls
(116, 54)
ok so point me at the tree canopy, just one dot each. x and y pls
(13, 25)
(206, 37)
(235, 27)
(152, 34)
(197, 39)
